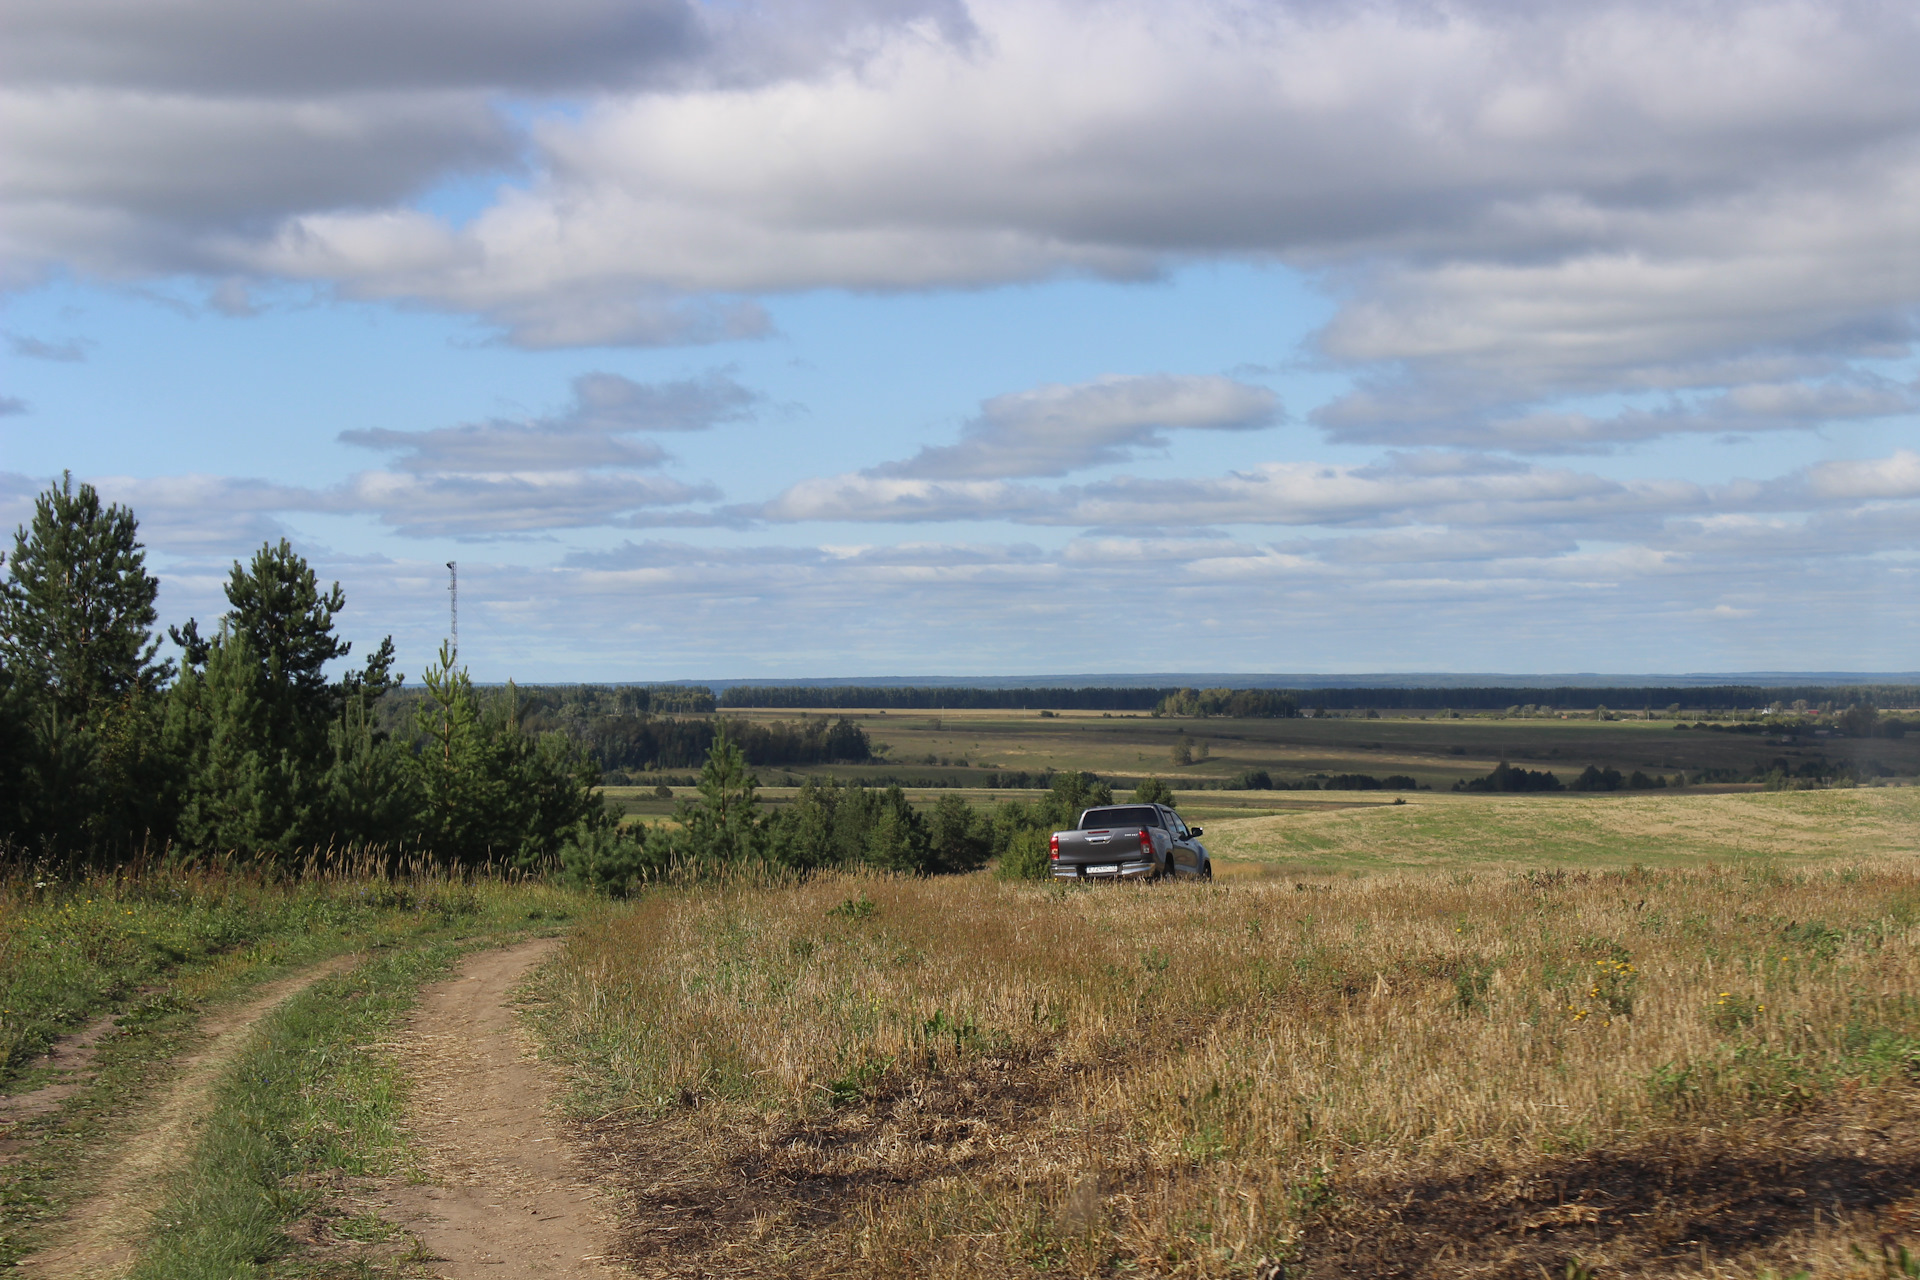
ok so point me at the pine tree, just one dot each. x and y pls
(488, 789)
(725, 828)
(240, 791)
(275, 757)
(277, 605)
(76, 610)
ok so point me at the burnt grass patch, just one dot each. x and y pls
(715, 1200)
(704, 1194)
(1682, 1202)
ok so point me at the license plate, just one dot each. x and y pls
(1109, 870)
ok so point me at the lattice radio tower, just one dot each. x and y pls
(453, 601)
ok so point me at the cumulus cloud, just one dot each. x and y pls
(592, 432)
(148, 141)
(1047, 431)
(1322, 566)
(1052, 430)
(1421, 412)
(1417, 489)
(1581, 197)
(494, 504)
(1895, 476)
(659, 609)
(573, 469)
(196, 513)
(232, 47)
(1616, 195)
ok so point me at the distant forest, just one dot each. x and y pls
(919, 698)
(1492, 698)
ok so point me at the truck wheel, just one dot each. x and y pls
(1206, 869)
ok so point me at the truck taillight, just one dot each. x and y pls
(1053, 845)
(1146, 844)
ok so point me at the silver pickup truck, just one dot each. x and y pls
(1130, 842)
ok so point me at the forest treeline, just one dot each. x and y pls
(640, 743)
(245, 743)
(259, 739)
(1160, 702)
(937, 698)
(1171, 701)
(827, 825)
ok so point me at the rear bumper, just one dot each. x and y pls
(1130, 869)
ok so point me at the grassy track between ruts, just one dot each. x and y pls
(159, 950)
(309, 1107)
(1633, 1072)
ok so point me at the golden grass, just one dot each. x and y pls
(1620, 829)
(1485, 1074)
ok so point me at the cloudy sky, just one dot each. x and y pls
(857, 337)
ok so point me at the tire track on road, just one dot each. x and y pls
(507, 1200)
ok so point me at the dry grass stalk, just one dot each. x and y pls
(1483, 1074)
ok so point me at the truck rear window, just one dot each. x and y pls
(1132, 816)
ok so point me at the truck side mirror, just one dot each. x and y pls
(1196, 832)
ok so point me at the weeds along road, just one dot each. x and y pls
(107, 1229)
(505, 1198)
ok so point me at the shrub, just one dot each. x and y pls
(1153, 790)
(1028, 857)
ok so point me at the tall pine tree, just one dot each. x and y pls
(81, 669)
(273, 755)
(76, 610)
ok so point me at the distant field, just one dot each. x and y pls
(1618, 830)
(964, 746)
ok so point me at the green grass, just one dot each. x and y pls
(306, 1105)
(160, 949)
(1618, 830)
(313, 1104)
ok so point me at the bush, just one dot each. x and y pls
(959, 837)
(1153, 790)
(608, 861)
(1028, 856)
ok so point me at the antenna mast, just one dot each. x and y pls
(453, 597)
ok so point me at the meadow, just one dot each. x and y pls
(965, 749)
(1489, 1071)
(1420, 1034)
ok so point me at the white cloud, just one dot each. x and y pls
(593, 432)
(1895, 476)
(1511, 204)
(1413, 413)
(1052, 430)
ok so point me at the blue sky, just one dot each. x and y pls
(967, 338)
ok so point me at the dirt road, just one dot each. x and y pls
(508, 1202)
(106, 1229)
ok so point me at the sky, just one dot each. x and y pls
(814, 338)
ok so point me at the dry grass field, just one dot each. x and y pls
(1361, 831)
(1465, 1069)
